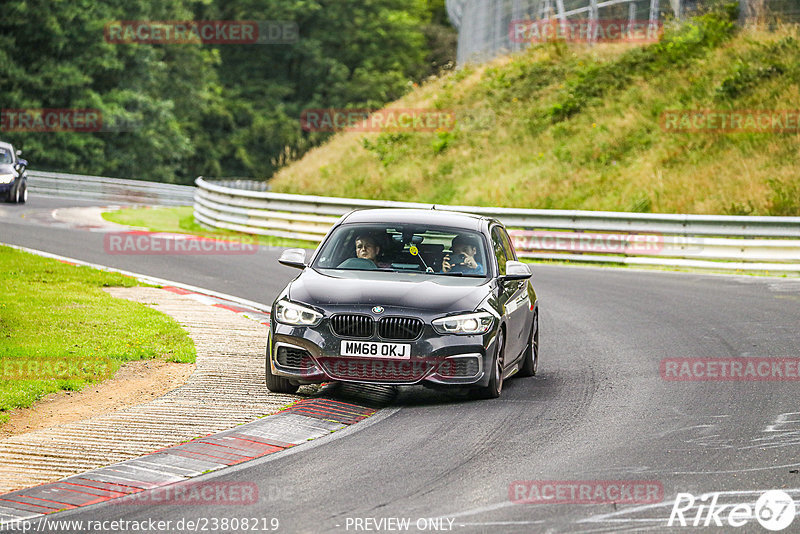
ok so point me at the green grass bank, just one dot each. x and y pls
(572, 126)
(54, 315)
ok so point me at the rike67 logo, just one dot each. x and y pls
(774, 510)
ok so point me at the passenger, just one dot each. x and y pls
(462, 259)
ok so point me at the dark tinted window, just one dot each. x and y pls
(499, 250)
(508, 246)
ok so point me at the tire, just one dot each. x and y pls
(530, 362)
(278, 384)
(495, 386)
(22, 198)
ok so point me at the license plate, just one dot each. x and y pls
(401, 351)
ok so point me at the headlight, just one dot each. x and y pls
(471, 323)
(296, 315)
(6, 178)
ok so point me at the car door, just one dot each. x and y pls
(509, 296)
(523, 317)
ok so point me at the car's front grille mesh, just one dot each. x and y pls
(397, 371)
(459, 367)
(292, 357)
(361, 326)
(399, 328)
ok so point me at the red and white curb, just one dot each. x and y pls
(303, 421)
(247, 311)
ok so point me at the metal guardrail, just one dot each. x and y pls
(713, 241)
(114, 190)
(243, 183)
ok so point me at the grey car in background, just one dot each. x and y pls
(13, 175)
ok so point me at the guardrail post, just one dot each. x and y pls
(561, 16)
(654, 14)
(593, 20)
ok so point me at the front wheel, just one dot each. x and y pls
(530, 362)
(22, 197)
(278, 384)
(495, 386)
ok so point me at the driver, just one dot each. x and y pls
(462, 259)
(367, 248)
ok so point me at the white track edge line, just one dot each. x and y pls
(147, 278)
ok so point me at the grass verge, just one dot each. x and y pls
(53, 314)
(180, 219)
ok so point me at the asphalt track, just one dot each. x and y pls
(598, 411)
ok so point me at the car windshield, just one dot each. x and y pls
(404, 248)
(5, 156)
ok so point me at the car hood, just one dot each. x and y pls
(404, 290)
(7, 168)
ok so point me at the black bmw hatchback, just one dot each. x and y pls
(402, 297)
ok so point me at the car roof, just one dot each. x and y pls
(3, 144)
(456, 219)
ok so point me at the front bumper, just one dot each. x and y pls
(312, 354)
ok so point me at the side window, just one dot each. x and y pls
(511, 254)
(499, 250)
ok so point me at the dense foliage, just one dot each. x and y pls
(215, 110)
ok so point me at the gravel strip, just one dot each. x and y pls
(226, 389)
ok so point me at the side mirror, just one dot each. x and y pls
(19, 152)
(516, 270)
(293, 257)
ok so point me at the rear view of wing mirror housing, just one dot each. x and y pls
(516, 270)
(293, 257)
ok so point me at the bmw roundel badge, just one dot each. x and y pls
(377, 309)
